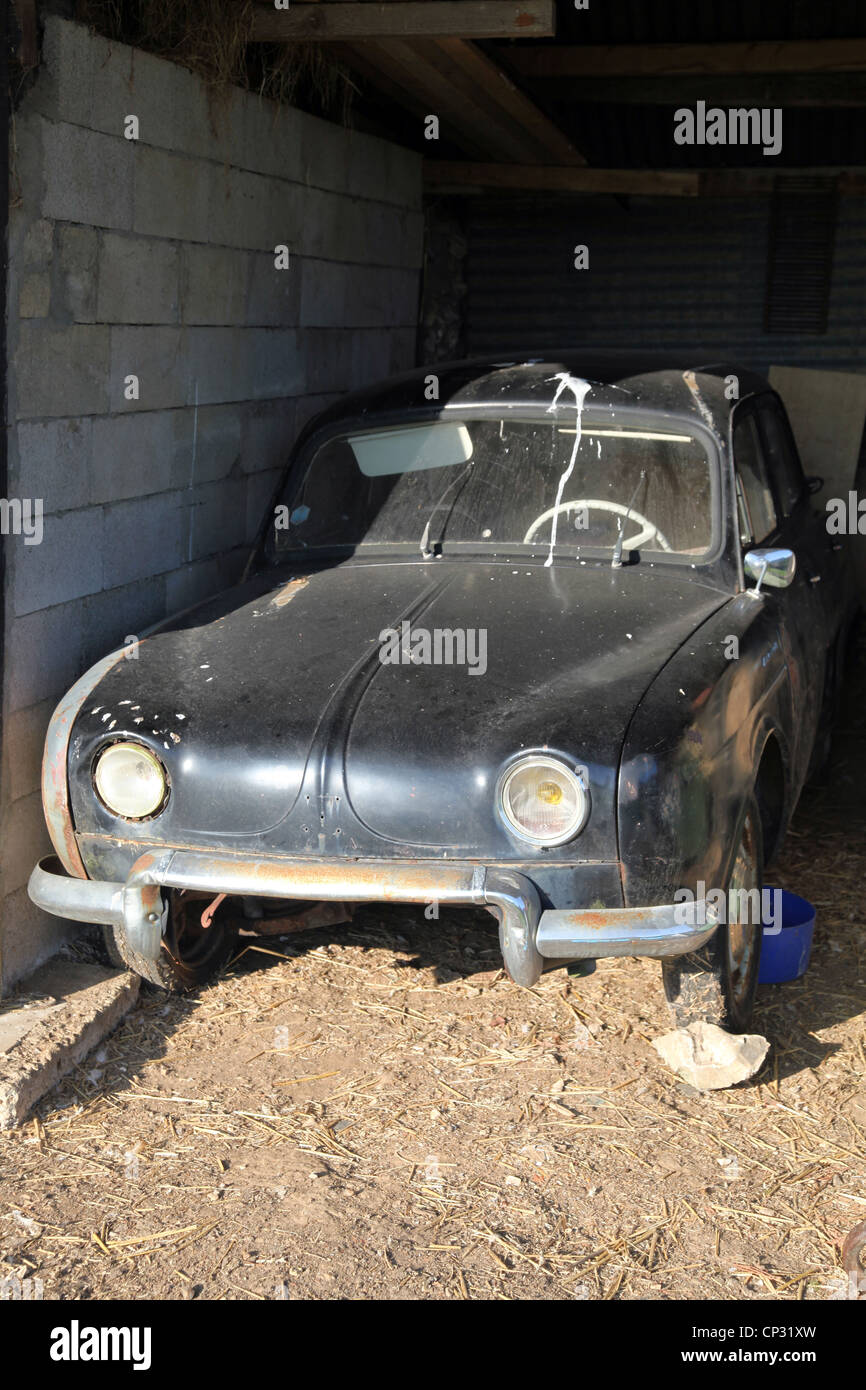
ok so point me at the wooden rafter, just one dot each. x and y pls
(478, 105)
(469, 177)
(682, 59)
(835, 89)
(420, 19)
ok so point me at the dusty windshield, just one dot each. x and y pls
(560, 485)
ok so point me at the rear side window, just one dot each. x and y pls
(757, 496)
(782, 457)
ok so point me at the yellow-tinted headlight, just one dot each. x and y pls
(130, 780)
(543, 800)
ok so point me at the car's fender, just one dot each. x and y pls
(693, 748)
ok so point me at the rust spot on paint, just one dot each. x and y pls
(525, 21)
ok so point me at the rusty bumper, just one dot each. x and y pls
(528, 936)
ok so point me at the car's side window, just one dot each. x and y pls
(757, 495)
(782, 457)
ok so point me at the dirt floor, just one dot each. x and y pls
(374, 1111)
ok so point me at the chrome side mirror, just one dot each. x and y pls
(775, 568)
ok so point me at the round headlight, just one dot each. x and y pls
(542, 800)
(130, 780)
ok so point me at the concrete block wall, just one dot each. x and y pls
(155, 257)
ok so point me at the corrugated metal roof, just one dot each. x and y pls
(686, 276)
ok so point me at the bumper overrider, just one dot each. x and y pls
(529, 936)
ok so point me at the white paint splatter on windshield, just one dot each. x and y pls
(579, 389)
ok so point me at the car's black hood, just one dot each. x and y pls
(277, 719)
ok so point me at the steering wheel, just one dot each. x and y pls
(646, 534)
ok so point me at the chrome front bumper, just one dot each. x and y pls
(528, 935)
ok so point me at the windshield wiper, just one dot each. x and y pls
(424, 546)
(616, 562)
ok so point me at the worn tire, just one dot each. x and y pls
(707, 984)
(186, 960)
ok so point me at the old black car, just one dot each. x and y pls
(555, 638)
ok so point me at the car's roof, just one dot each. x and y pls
(676, 385)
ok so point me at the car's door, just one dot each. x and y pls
(823, 554)
(763, 501)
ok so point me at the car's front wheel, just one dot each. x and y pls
(717, 984)
(190, 954)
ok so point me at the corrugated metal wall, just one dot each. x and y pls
(677, 274)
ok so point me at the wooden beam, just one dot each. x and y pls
(683, 59)
(418, 19)
(467, 63)
(476, 178)
(838, 89)
(468, 178)
(478, 106)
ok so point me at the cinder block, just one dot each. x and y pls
(60, 371)
(371, 356)
(328, 357)
(66, 565)
(25, 839)
(333, 227)
(215, 365)
(324, 290)
(130, 82)
(29, 938)
(26, 189)
(278, 367)
(380, 297)
(217, 518)
(53, 462)
(404, 350)
(273, 296)
(142, 538)
(115, 614)
(252, 211)
(272, 138)
(172, 106)
(138, 280)
(367, 166)
(269, 433)
(35, 245)
(44, 654)
(214, 285)
(25, 739)
(260, 490)
(405, 182)
(413, 240)
(191, 584)
(132, 455)
(209, 124)
(393, 235)
(324, 153)
(34, 295)
(87, 177)
(158, 357)
(243, 364)
(64, 87)
(206, 443)
(75, 282)
(172, 195)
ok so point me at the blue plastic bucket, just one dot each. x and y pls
(785, 953)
